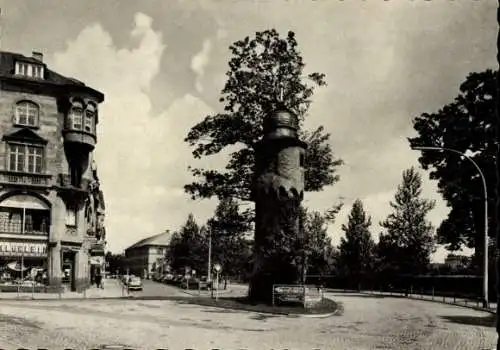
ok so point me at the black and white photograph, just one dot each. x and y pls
(249, 174)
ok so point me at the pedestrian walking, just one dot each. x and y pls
(98, 280)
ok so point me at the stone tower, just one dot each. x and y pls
(277, 191)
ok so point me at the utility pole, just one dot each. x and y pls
(209, 271)
(1, 37)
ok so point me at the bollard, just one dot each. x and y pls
(432, 293)
(444, 299)
(454, 299)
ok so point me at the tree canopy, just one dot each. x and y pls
(466, 124)
(408, 241)
(261, 69)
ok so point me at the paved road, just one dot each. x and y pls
(367, 323)
(156, 289)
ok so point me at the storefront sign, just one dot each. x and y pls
(23, 249)
(96, 260)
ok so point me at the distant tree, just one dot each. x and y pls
(188, 247)
(116, 262)
(408, 242)
(259, 68)
(228, 228)
(357, 249)
(466, 124)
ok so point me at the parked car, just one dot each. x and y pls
(192, 283)
(134, 283)
(166, 278)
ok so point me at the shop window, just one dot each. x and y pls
(35, 221)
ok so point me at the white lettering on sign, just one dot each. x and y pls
(23, 248)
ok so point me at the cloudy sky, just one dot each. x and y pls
(161, 65)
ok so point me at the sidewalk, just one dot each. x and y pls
(112, 289)
(473, 304)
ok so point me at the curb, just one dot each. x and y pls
(195, 294)
(338, 311)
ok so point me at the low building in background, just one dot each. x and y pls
(148, 255)
(454, 261)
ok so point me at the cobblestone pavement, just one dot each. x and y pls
(368, 322)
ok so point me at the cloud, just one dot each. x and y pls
(200, 61)
(141, 158)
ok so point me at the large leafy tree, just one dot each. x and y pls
(261, 69)
(228, 228)
(357, 249)
(466, 124)
(408, 242)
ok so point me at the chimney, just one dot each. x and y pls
(37, 55)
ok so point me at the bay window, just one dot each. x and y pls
(76, 116)
(89, 118)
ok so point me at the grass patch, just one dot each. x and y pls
(326, 306)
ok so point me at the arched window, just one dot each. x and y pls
(76, 116)
(90, 113)
(27, 113)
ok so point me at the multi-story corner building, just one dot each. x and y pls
(148, 255)
(51, 207)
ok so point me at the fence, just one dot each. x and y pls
(467, 287)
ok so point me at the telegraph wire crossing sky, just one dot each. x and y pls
(385, 63)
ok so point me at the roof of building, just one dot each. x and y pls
(162, 239)
(7, 69)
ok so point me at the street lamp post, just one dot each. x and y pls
(209, 271)
(485, 190)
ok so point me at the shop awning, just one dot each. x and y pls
(24, 201)
(16, 266)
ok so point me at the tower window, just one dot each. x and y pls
(27, 113)
(302, 159)
(25, 158)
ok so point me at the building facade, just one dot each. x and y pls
(51, 205)
(148, 255)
